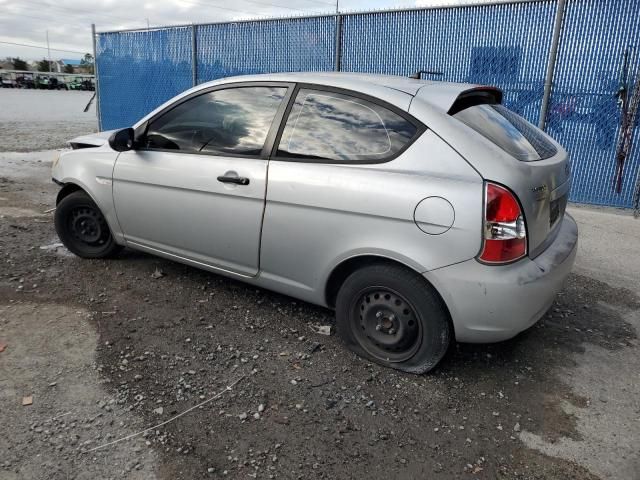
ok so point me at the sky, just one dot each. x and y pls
(68, 22)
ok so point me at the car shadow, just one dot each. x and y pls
(586, 311)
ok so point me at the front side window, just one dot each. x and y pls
(333, 126)
(231, 121)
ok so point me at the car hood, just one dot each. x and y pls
(91, 140)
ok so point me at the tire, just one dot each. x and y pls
(391, 315)
(82, 228)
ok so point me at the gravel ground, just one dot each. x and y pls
(108, 349)
(32, 120)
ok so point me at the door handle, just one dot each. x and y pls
(233, 179)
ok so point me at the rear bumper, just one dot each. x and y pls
(494, 303)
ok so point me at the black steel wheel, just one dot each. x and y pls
(392, 316)
(385, 324)
(82, 228)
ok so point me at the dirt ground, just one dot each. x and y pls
(32, 120)
(111, 349)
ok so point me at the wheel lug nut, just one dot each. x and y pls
(378, 327)
(379, 314)
(392, 331)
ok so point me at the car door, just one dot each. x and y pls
(194, 187)
(333, 188)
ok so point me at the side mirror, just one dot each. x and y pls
(122, 140)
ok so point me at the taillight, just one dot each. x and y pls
(505, 233)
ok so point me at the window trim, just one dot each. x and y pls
(420, 127)
(143, 128)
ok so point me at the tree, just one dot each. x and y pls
(68, 68)
(19, 64)
(43, 65)
(87, 62)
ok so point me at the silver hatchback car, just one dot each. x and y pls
(420, 211)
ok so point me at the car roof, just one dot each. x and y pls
(404, 84)
(396, 90)
(386, 87)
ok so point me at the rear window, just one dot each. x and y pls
(509, 131)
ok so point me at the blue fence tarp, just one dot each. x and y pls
(295, 45)
(137, 71)
(506, 45)
(584, 112)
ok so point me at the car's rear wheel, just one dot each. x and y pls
(392, 316)
(82, 228)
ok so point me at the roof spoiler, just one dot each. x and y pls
(483, 95)
(418, 75)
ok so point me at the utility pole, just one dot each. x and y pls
(48, 52)
(96, 74)
(337, 6)
(147, 18)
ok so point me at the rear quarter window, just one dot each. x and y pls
(509, 131)
(326, 125)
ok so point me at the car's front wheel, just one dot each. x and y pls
(392, 316)
(82, 228)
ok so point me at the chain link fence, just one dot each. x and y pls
(584, 112)
(503, 44)
(306, 44)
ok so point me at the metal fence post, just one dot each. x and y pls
(194, 55)
(551, 63)
(95, 74)
(338, 45)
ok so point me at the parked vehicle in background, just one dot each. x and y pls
(82, 83)
(8, 80)
(75, 84)
(41, 82)
(46, 80)
(56, 84)
(420, 211)
(25, 80)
